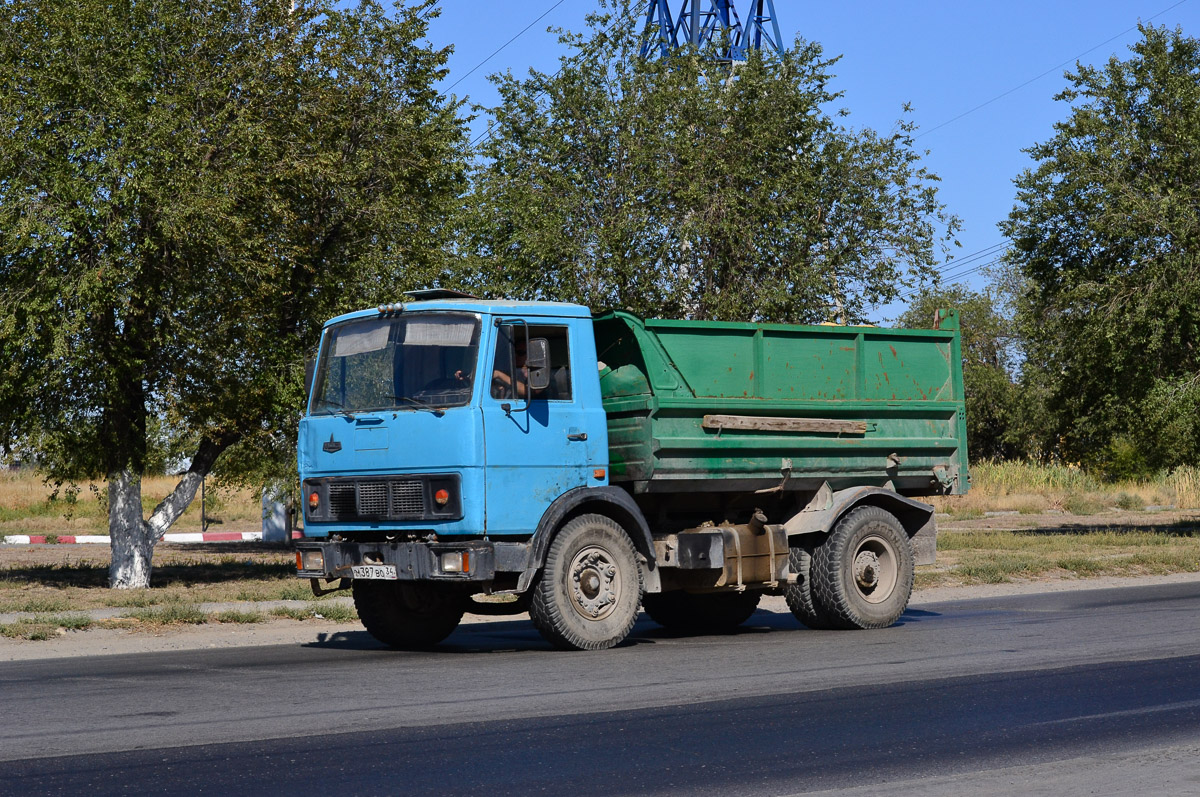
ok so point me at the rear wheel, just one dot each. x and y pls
(799, 595)
(863, 573)
(590, 588)
(701, 613)
(407, 615)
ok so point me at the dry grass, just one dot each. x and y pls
(45, 627)
(992, 557)
(314, 611)
(28, 505)
(1031, 489)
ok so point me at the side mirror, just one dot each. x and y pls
(537, 360)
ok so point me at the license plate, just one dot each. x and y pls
(378, 572)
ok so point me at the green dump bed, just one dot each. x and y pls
(732, 407)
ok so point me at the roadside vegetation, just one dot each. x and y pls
(1030, 488)
(43, 626)
(30, 504)
(996, 557)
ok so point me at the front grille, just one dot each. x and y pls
(373, 499)
(341, 500)
(397, 499)
(408, 498)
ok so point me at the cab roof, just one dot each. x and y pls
(481, 306)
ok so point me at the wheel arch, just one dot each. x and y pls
(611, 502)
(916, 518)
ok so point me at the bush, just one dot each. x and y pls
(1130, 502)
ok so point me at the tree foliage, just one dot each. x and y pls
(1106, 235)
(677, 187)
(994, 428)
(186, 192)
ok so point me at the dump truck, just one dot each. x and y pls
(461, 455)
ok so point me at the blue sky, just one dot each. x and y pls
(944, 58)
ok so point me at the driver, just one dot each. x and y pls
(502, 381)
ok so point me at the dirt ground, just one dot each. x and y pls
(1112, 520)
(165, 554)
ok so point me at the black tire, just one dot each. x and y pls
(799, 595)
(863, 573)
(591, 586)
(701, 613)
(405, 615)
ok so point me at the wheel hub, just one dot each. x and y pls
(866, 569)
(595, 583)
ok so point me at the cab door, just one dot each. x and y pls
(536, 442)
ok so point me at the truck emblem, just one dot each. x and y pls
(332, 446)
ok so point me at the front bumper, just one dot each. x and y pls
(414, 561)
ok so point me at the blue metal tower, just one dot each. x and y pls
(701, 22)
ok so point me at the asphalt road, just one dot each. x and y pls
(1080, 692)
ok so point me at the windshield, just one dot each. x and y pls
(421, 360)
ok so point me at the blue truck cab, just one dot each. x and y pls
(440, 436)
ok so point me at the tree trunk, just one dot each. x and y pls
(131, 538)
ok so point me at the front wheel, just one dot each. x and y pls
(590, 589)
(863, 573)
(405, 615)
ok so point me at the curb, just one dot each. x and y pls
(96, 539)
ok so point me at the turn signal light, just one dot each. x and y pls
(442, 497)
(456, 562)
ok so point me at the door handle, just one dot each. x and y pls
(577, 436)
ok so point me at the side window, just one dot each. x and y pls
(509, 362)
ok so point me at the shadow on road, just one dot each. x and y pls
(517, 635)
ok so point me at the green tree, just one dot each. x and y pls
(990, 359)
(186, 192)
(1106, 237)
(679, 187)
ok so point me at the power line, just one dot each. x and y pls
(1043, 74)
(501, 47)
(954, 280)
(988, 251)
(953, 270)
(490, 131)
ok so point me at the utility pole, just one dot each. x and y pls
(700, 23)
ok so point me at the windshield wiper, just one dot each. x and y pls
(421, 405)
(334, 408)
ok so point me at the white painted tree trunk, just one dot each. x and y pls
(131, 538)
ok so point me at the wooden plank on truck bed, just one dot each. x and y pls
(767, 424)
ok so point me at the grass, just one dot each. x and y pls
(330, 611)
(237, 616)
(28, 505)
(995, 557)
(173, 614)
(45, 627)
(1031, 488)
